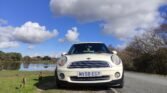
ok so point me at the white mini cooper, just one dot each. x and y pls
(90, 63)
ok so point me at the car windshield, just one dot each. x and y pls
(88, 48)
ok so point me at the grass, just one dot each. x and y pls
(10, 81)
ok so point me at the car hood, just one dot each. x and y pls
(84, 57)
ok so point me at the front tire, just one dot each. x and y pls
(58, 82)
(121, 85)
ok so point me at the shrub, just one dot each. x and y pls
(152, 63)
(160, 61)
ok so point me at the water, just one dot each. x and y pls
(37, 67)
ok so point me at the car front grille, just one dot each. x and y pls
(100, 78)
(89, 64)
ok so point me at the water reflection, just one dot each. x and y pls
(9, 65)
(37, 67)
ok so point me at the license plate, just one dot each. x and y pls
(89, 74)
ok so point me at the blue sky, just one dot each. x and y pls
(18, 12)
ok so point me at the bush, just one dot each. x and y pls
(160, 61)
(144, 63)
(152, 63)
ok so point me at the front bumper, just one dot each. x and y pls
(111, 83)
(109, 72)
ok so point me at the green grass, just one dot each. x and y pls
(10, 81)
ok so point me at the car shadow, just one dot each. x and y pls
(49, 82)
(46, 83)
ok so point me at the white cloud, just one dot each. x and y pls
(6, 38)
(71, 36)
(30, 33)
(33, 33)
(121, 17)
(8, 45)
(6, 34)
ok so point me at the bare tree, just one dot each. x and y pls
(162, 32)
(148, 42)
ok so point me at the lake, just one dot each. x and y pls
(37, 67)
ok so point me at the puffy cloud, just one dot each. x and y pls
(33, 33)
(121, 18)
(5, 34)
(6, 37)
(8, 45)
(30, 33)
(71, 36)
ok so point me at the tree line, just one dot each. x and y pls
(10, 56)
(12, 60)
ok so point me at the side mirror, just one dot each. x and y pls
(64, 53)
(114, 52)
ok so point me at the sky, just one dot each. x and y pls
(50, 27)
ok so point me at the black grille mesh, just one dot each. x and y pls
(75, 78)
(88, 64)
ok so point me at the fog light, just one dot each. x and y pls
(117, 74)
(62, 76)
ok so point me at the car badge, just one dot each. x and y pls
(88, 58)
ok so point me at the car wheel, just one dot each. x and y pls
(121, 85)
(58, 82)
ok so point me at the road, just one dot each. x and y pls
(144, 83)
(134, 83)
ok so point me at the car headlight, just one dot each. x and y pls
(62, 61)
(116, 60)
